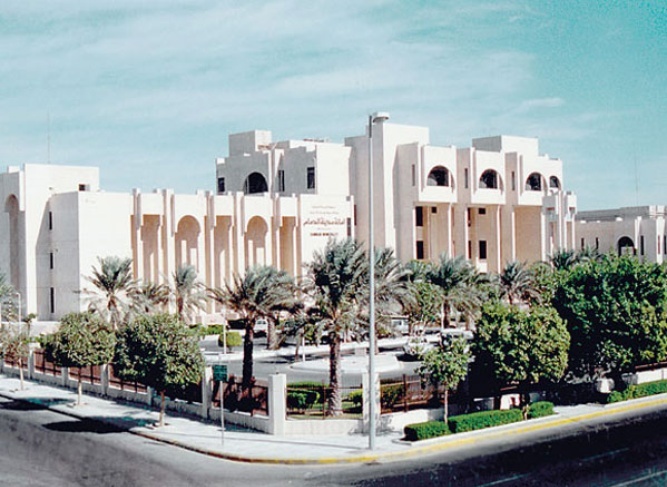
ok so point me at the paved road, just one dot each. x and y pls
(40, 447)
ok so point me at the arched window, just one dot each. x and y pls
(554, 182)
(255, 183)
(489, 179)
(626, 246)
(439, 176)
(534, 182)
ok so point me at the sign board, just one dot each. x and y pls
(220, 373)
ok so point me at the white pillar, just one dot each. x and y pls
(277, 404)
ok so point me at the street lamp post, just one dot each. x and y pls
(377, 117)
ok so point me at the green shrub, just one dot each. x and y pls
(297, 400)
(391, 395)
(356, 398)
(213, 330)
(639, 390)
(483, 419)
(423, 431)
(233, 339)
(540, 409)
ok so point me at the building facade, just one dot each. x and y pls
(278, 202)
(638, 230)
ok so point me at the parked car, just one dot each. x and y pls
(261, 327)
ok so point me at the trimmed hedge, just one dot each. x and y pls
(233, 339)
(483, 419)
(639, 390)
(423, 431)
(356, 397)
(540, 409)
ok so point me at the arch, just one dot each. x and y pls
(12, 208)
(554, 182)
(489, 179)
(255, 183)
(439, 176)
(256, 242)
(534, 182)
(625, 246)
(187, 242)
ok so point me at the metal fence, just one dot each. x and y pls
(312, 399)
(45, 366)
(116, 382)
(92, 374)
(253, 400)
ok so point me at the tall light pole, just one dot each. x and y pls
(377, 117)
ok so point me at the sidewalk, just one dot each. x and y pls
(248, 446)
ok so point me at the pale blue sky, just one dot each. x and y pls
(148, 91)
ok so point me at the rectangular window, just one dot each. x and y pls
(434, 209)
(51, 260)
(221, 185)
(641, 245)
(281, 180)
(469, 249)
(482, 249)
(52, 299)
(354, 214)
(310, 178)
(664, 244)
(420, 249)
(597, 243)
(419, 216)
(482, 211)
(50, 220)
(469, 213)
(414, 175)
(83, 187)
(513, 181)
(465, 178)
(349, 227)
(583, 243)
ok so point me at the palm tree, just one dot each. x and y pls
(459, 283)
(114, 291)
(263, 290)
(189, 294)
(517, 283)
(6, 289)
(152, 297)
(563, 259)
(337, 281)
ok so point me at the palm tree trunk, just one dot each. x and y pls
(21, 372)
(247, 353)
(271, 338)
(335, 401)
(162, 407)
(445, 315)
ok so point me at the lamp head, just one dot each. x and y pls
(379, 117)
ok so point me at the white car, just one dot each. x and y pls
(261, 326)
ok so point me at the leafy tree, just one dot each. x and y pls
(114, 289)
(425, 308)
(263, 290)
(337, 281)
(189, 294)
(522, 347)
(82, 339)
(446, 365)
(563, 259)
(616, 312)
(159, 351)
(14, 345)
(517, 283)
(459, 282)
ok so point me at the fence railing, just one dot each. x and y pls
(91, 374)
(116, 382)
(253, 400)
(312, 399)
(44, 366)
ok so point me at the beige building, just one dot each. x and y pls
(638, 230)
(278, 202)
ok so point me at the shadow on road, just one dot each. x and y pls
(83, 426)
(33, 404)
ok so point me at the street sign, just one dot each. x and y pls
(220, 373)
